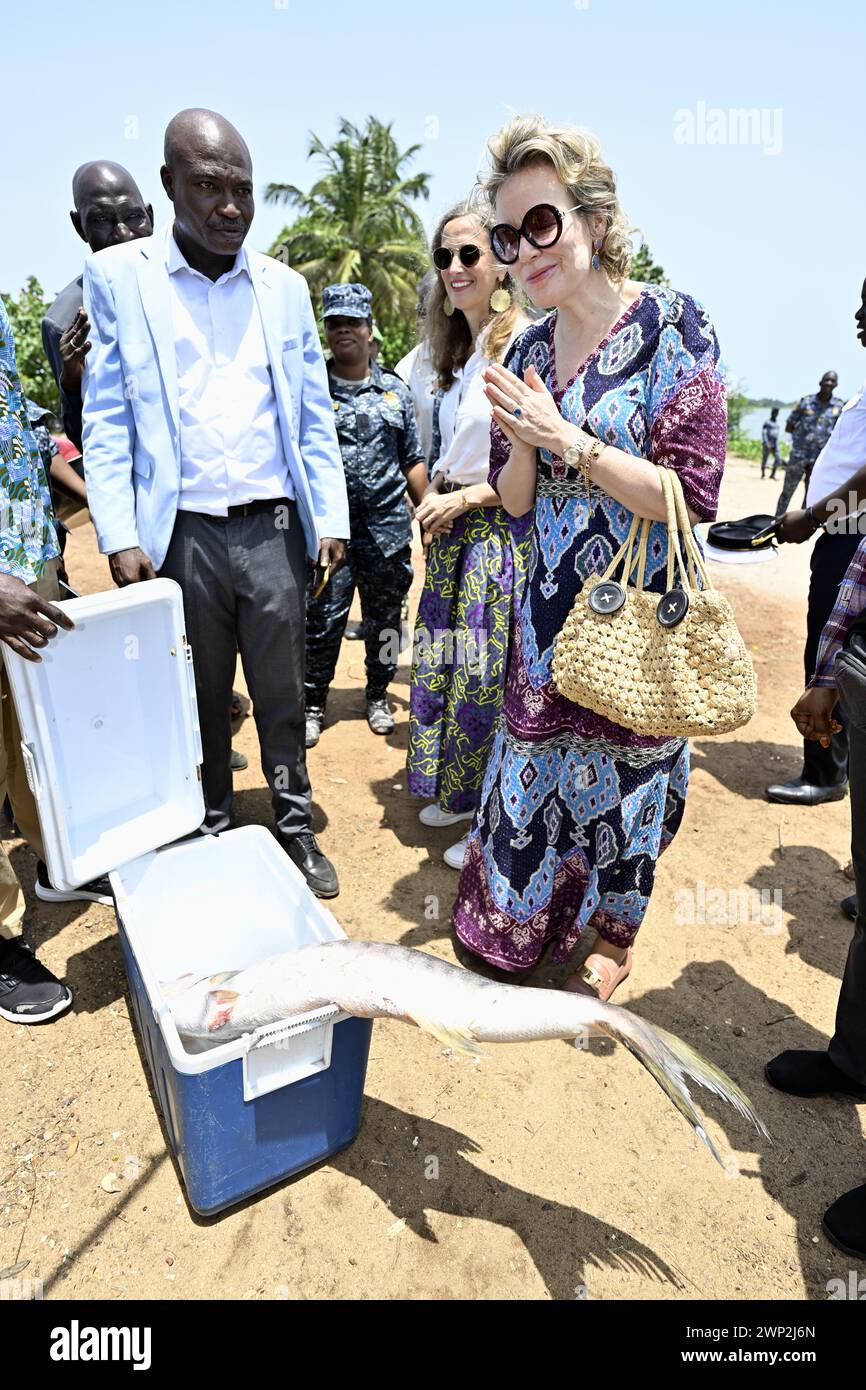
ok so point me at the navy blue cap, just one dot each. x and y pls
(350, 301)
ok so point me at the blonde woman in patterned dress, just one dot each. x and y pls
(464, 616)
(576, 809)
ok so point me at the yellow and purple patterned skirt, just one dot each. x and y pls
(462, 636)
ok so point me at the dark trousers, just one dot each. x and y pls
(848, 1044)
(382, 581)
(831, 556)
(244, 582)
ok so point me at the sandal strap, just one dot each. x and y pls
(591, 977)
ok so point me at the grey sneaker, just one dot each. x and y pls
(315, 720)
(379, 716)
(238, 761)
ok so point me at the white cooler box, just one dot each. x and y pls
(110, 739)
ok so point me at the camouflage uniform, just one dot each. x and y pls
(379, 443)
(813, 421)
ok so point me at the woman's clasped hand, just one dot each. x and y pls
(539, 422)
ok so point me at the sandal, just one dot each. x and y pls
(600, 975)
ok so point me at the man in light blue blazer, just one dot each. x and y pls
(211, 456)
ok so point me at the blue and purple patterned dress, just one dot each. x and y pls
(575, 809)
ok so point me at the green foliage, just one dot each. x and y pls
(397, 340)
(644, 269)
(747, 448)
(738, 404)
(358, 223)
(26, 314)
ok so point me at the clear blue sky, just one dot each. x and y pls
(774, 244)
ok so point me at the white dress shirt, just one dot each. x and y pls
(464, 421)
(844, 452)
(231, 448)
(417, 372)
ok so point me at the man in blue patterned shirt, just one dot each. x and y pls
(29, 580)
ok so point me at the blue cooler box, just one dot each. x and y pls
(110, 741)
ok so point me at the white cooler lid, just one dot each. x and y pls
(109, 730)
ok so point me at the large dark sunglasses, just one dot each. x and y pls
(542, 227)
(443, 256)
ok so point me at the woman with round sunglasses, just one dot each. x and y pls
(618, 378)
(464, 615)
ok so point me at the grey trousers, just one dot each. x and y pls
(848, 1044)
(244, 586)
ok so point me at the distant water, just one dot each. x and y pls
(752, 420)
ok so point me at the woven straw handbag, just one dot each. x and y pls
(674, 665)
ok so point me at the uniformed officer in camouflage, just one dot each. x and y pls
(382, 456)
(810, 424)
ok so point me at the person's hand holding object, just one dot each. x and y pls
(26, 620)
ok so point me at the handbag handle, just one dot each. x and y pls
(698, 569)
(691, 567)
(626, 550)
(687, 572)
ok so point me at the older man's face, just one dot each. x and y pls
(211, 186)
(112, 217)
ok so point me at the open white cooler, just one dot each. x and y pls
(111, 744)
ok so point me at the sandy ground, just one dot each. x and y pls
(561, 1174)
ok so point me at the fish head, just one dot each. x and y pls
(200, 1006)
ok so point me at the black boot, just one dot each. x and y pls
(844, 1223)
(803, 1073)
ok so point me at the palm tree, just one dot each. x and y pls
(357, 222)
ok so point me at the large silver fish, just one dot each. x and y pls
(373, 980)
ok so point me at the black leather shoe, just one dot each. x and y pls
(849, 907)
(844, 1223)
(803, 793)
(317, 869)
(803, 1073)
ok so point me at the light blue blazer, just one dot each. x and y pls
(131, 433)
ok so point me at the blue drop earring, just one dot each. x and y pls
(596, 247)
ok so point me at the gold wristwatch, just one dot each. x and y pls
(573, 455)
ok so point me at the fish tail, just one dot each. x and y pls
(458, 1038)
(669, 1062)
